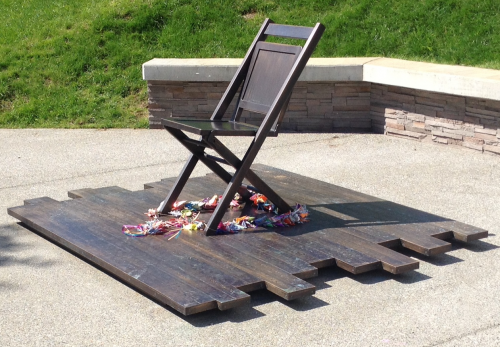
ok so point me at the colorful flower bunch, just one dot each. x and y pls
(186, 215)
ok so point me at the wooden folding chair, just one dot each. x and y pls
(268, 73)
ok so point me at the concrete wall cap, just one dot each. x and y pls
(223, 69)
(447, 79)
(440, 78)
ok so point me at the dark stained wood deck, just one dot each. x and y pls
(195, 273)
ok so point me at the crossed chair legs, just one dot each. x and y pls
(234, 182)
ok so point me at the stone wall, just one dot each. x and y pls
(442, 118)
(350, 107)
(313, 107)
(444, 104)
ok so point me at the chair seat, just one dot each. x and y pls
(204, 127)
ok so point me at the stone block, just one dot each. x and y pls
(378, 120)
(430, 102)
(339, 101)
(410, 134)
(214, 96)
(174, 89)
(451, 99)
(361, 123)
(377, 109)
(478, 111)
(470, 145)
(385, 103)
(439, 139)
(492, 149)
(351, 114)
(474, 140)
(431, 128)
(486, 137)
(296, 114)
(357, 101)
(486, 103)
(315, 110)
(318, 95)
(313, 102)
(378, 129)
(463, 132)
(205, 108)
(491, 143)
(400, 90)
(351, 108)
(320, 87)
(189, 96)
(486, 131)
(403, 98)
(409, 107)
(416, 117)
(414, 129)
(343, 90)
(490, 122)
(443, 124)
(448, 115)
(427, 110)
(297, 107)
(447, 135)
(455, 108)
(472, 119)
(312, 128)
(341, 123)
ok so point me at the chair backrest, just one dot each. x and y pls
(268, 73)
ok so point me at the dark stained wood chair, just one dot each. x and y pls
(266, 76)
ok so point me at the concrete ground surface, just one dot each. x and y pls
(50, 297)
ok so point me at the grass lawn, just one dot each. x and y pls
(68, 63)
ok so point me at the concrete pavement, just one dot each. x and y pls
(50, 297)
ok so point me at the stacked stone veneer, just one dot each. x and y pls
(350, 106)
(313, 107)
(442, 118)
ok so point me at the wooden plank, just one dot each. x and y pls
(131, 206)
(338, 220)
(279, 258)
(277, 281)
(171, 261)
(226, 297)
(346, 258)
(72, 234)
(436, 226)
(311, 255)
(41, 200)
(413, 236)
(85, 192)
(314, 201)
(463, 232)
(392, 261)
(171, 258)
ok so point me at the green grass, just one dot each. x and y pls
(68, 63)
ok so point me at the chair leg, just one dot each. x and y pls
(232, 159)
(187, 170)
(222, 206)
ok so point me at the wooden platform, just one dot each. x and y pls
(195, 273)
